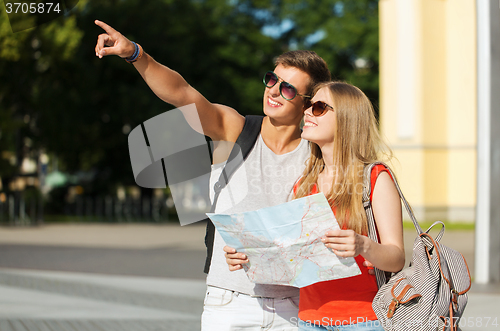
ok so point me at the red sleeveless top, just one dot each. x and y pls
(342, 301)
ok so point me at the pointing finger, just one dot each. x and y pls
(109, 30)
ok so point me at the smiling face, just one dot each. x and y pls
(277, 107)
(320, 130)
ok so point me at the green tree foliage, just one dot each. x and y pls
(54, 90)
(344, 33)
(80, 107)
(28, 65)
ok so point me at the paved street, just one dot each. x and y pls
(102, 277)
(169, 251)
(41, 300)
(137, 277)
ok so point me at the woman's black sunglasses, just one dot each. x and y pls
(319, 108)
(287, 90)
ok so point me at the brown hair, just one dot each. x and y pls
(309, 62)
(356, 144)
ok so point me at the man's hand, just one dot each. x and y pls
(234, 259)
(116, 43)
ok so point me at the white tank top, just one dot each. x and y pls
(265, 179)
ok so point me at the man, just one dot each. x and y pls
(276, 161)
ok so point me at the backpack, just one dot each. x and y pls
(245, 142)
(431, 293)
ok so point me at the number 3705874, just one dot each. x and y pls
(32, 8)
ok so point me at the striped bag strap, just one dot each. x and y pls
(380, 275)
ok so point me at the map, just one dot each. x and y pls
(283, 242)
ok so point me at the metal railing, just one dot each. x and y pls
(17, 211)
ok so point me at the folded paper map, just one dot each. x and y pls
(283, 242)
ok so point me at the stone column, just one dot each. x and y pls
(487, 254)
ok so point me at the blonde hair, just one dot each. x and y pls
(357, 143)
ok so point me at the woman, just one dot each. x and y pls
(340, 124)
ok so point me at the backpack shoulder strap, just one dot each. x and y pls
(380, 275)
(372, 229)
(248, 136)
(244, 144)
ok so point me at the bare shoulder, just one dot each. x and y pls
(387, 210)
(223, 123)
(384, 184)
(386, 202)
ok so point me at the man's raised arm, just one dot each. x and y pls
(219, 122)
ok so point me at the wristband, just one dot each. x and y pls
(136, 51)
(137, 54)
